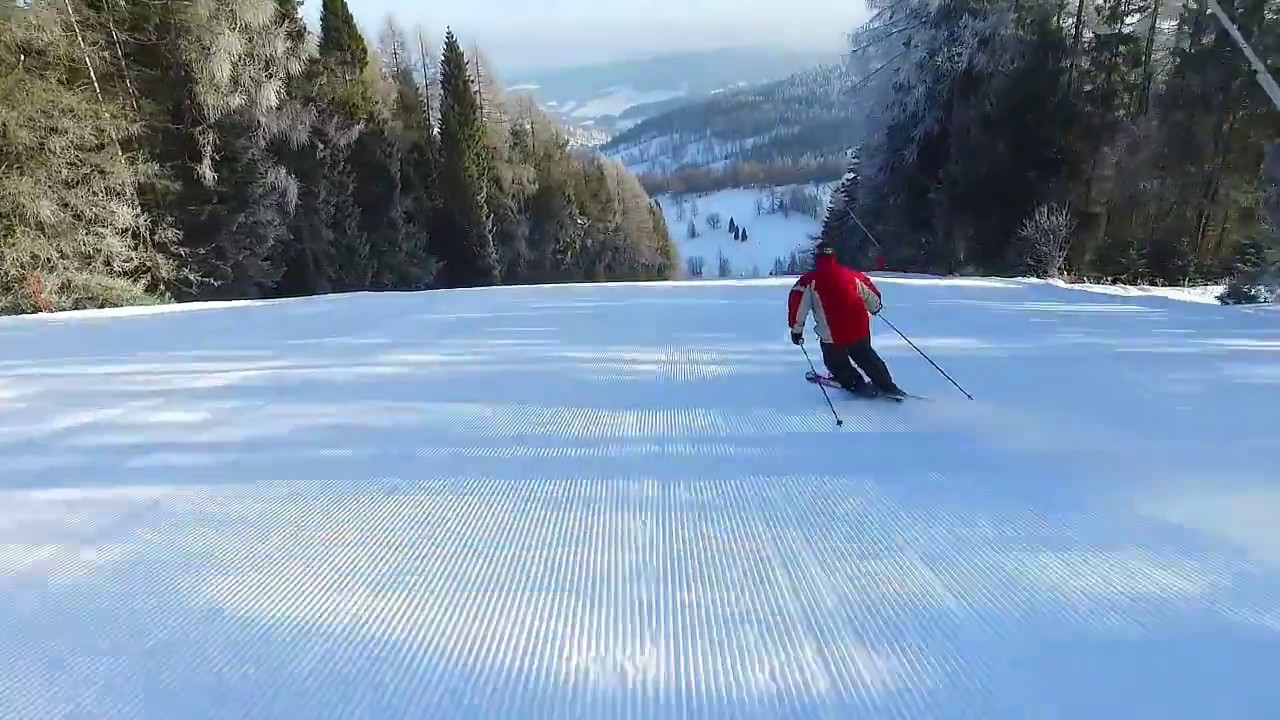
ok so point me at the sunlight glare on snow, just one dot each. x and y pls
(1244, 516)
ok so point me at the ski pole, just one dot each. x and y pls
(886, 320)
(864, 229)
(823, 388)
(926, 357)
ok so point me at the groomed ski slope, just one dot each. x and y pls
(623, 501)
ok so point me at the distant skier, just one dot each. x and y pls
(840, 300)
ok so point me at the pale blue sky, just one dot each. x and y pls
(520, 34)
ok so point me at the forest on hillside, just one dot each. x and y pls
(218, 149)
(1121, 140)
(792, 131)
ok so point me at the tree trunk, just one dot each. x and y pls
(1076, 41)
(1209, 198)
(84, 51)
(1148, 72)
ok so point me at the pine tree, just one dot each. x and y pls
(324, 220)
(375, 159)
(838, 227)
(668, 256)
(555, 228)
(464, 241)
(340, 38)
(600, 207)
(419, 176)
(420, 156)
(307, 258)
(380, 254)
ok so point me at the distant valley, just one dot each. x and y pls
(597, 102)
(739, 149)
(796, 130)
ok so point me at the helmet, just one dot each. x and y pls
(824, 248)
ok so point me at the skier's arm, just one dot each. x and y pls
(869, 293)
(799, 303)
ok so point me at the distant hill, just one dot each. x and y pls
(799, 129)
(612, 97)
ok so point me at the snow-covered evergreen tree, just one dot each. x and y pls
(838, 225)
(971, 105)
(1147, 122)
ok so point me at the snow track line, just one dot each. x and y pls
(672, 423)
(819, 548)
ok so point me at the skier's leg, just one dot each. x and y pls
(836, 358)
(869, 360)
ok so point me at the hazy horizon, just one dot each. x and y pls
(534, 35)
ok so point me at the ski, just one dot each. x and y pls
(831, 383)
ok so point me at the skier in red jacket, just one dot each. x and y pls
(840, 300)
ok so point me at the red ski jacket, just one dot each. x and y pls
(839, 298)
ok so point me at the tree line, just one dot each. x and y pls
(220, 150)
(1115, 139)
(739, 173)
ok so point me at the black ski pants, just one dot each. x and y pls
(840, 360)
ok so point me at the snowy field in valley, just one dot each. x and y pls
(624, 501)
(769, 236)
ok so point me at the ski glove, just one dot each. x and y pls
(797, 338)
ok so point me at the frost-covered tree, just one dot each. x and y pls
(969, 131)
(210, 85)
(73, 231)
(1046, 239)
(204, 149)
(1141, 115)
(839, 227)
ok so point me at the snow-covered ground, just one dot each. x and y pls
(769, 237)
(1194, 293)
(624, 501)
